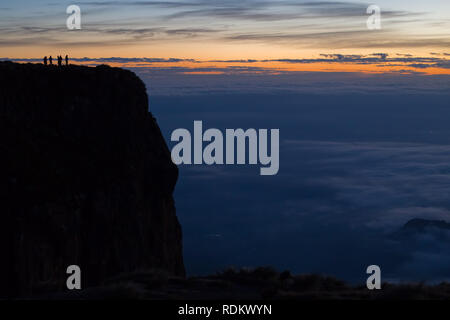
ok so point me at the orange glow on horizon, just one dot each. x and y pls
(275, 67)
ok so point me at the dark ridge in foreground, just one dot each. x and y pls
(86, 179)
(249, 284)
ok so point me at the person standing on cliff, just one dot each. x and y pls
(67, 60)
(45, 60)
(50, 59)
(59, 61)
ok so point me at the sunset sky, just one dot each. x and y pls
(207, 30)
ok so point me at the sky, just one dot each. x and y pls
(301, 35)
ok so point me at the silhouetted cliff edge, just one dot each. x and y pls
(86, 179)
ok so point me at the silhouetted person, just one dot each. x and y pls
(67, 60)
(45, 60)
(50, 59)
(59, 61)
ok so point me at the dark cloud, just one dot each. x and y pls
(252, 10)
(331, 58)
(285, 78)
(379, 59)
(343, 38)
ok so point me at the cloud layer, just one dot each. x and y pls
(353, 169)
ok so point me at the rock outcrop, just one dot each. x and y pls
(86, 179)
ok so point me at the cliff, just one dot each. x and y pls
(86, 179)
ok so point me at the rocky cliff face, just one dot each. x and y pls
(86, 179)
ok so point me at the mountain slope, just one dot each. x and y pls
(87, 178)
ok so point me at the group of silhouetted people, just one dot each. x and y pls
(60, 59)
